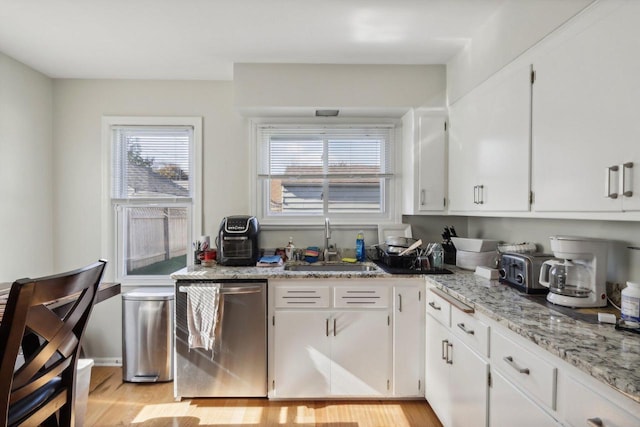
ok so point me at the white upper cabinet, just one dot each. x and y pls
(489, 144)
(586, 131)
(424, 158)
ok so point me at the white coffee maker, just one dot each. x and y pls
(579, 278)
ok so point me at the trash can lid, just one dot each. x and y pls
(149, 294)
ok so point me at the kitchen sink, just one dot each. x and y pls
(332, 267)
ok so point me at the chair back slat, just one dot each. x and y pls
(50, 339)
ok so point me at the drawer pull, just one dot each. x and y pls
(450, 360)
(595, 422)
(466, 331)
(511, 363)
(327, 326)
(444, 343)
(434, 306)
(334, 326)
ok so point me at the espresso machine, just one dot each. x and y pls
(578, 278)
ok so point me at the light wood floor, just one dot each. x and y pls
(115, 403)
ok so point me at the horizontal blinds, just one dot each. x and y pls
(152, 162)
(325, 152)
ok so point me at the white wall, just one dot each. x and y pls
(516, 26)
(78, 109)
(27, 188)
(374, 90)
(624, 264)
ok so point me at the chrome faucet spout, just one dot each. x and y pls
(327, 235)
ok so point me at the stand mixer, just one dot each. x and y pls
(579, 279)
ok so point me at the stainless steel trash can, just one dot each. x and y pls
(147, 335)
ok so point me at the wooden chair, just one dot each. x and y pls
(32, 393)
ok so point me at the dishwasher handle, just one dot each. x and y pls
(232, 290)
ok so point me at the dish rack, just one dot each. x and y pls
(395, 260)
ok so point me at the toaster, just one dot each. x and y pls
(522, 271)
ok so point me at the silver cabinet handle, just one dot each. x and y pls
(399, 303)
(511, 363)
(607, 182)
(627, 167)
(595, 422)
(480, 194)
(450, 346)
(434, 306)
(464, 329)
(422, 197)
(334, 326)
(327, 326)
(475, 194)
(444, 343)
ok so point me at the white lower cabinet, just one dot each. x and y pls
(456, 377)
(510, 407)
(303, 364)
(583, 406)
(408, 339)
(319, 354)
(345, 338)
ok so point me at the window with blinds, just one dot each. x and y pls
(152, 194)
(151, 162)
(306, 171)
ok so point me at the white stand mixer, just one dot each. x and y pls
(579, 279)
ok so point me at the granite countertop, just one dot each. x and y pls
(218, 272)
(607, 354)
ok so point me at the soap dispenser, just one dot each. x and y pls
(289, 251)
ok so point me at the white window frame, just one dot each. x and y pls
(393, 188)
(111, 224)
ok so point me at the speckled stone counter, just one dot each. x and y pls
(218, 272)
(599, 350)
(612, 357)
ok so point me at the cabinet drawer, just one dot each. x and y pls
(471, 331)
(302, 296)
(439, 308)
(367, 297)
(528, 371)
(582, 405)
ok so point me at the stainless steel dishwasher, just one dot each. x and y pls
(237, 366)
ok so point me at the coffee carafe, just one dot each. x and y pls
(578, 280)
(566, 277)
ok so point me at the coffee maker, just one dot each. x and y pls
(579, 278)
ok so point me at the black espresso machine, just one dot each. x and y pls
(237, 240)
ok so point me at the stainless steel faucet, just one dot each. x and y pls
(327, 235)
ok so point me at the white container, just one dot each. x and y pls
(83, 379)
(474, 245)
(470, 260)
(630, 308)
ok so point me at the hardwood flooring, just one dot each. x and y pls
(115, 403)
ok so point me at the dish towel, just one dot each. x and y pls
(202, 314)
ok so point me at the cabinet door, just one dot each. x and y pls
(408, 341)
(360, 353)
(585, 101)
(302, 366)
(469, 386)
(509, 407)
(432, 163)
(436, 370)
(489, 144)
(423, 162)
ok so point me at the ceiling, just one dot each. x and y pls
(202, 39)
